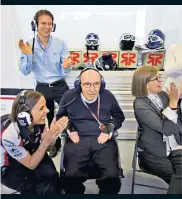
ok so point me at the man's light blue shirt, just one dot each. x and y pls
(46, 63)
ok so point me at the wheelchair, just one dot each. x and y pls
(92, 171)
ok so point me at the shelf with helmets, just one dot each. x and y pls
(127, 56)
(124, 59)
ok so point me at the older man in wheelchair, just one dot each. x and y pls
(90, 150)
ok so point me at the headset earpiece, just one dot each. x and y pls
(34, 25)
(77, 85)
(103, 85)
(24, 117)
(53, 27)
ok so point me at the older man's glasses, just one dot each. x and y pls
(88, 84)
(158, 78)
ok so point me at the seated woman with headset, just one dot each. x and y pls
(25, 164)
(160, 127)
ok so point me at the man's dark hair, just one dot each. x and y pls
(43, 12)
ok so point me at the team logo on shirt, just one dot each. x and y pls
(8, 143)
(16, 152)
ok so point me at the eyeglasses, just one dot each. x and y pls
(128, 37)
(92, 42)
(154, 38)
(88, 85)
(158, 78)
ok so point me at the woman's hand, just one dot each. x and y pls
(56, 128)
(181, 90)
(174, 95)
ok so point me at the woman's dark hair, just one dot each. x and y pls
(30, 99)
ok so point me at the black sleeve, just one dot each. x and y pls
(71, 127)
(62, 109)
(179, 111)
(149, 118)
(116, 113)
(67, 99)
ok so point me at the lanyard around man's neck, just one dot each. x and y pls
(98, 109)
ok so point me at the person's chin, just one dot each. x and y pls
(45, 34)
(91, 97)
(41, 122)
(159, 89)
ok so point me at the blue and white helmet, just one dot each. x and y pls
(92, 41)
(156, 39)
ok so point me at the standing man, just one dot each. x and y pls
(50, 62)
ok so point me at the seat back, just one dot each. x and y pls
(135, 154)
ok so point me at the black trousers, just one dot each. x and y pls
(175, 186)
(51, 95)
(27, 181)
(161, 167)
(77, 158)
(169, 169)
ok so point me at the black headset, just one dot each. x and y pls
(77, 85)
(24, 117)
(34, 25)
(34, 22)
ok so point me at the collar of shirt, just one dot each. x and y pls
(156, 100)
(89, 102)
(151, 96)
(40, 43)
(154, 97)
(47, 62)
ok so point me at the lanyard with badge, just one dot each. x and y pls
(101, 125)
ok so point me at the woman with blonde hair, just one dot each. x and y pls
(160, 127)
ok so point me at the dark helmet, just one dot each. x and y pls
(127, 41)
(92, 41)
(105, 62)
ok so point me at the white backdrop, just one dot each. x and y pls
(74, 22)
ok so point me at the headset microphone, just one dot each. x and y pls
(69, 103)
(33, 43)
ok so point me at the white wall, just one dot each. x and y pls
(10, 34)
(74, 22)
(168, 18)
